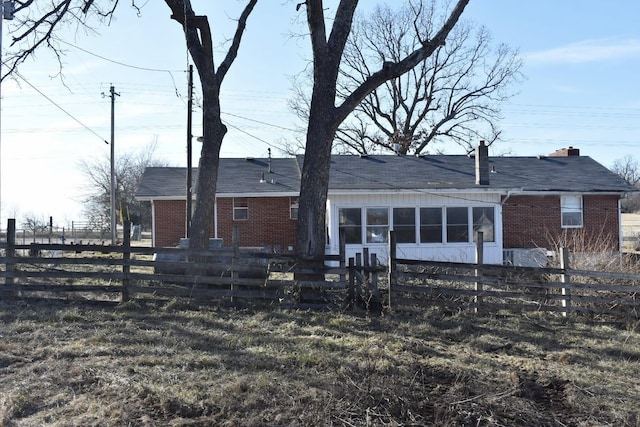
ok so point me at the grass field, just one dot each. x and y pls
(139, 364)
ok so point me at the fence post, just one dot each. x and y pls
(358, 296)
(565, 278)
(366, 291)
(352, 281)
(126, 258)
(478, 271)
(11, 251)
(234, 259)
(343, 254)
(392, 265)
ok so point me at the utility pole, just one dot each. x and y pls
(112, 95)
(189, 138)
(6, 12)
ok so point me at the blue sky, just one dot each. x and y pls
(581, 61)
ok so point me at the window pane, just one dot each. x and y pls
(571, 207)
(571, 219)
(431, 225)
(240, 208)
(483, 221)
(350, 220)
(240, 202)
(377, 225)
(457, 225)
(350, 216)
(294, 204)
(377, 216)
(404, 225)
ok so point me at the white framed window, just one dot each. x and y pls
(483, 220)
(240, 209)
(377, 225)
(404, 224)
(294, 205)
(350, 221)
(457, 225)
(430, 225)
(571, 211)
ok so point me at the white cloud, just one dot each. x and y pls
(586, 51)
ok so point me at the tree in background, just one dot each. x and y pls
(129, 168)
(628, 168)
(328, 108)
(37, 23)
(454, 95)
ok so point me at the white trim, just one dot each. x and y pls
(153, 224)
(215, 218)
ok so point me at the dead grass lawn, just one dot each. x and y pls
(141, 364)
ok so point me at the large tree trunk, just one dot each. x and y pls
(214, 132)
(313, 195)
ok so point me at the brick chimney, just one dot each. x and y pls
(566, 152)
(482, 164)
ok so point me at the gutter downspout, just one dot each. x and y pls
(153, 223)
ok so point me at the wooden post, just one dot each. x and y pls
(343, 254)
(392, 265)
(358, 296)
(478, 271)
(234, 259)
(11, 252)
(352, 281)
(126, 258)
(366, 277)
(565, 278)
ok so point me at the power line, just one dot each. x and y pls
(60, 108)
(130, 66)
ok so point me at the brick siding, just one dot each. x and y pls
(170, 221)
(535, 221)
(269, 223)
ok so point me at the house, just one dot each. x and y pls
(434, 203)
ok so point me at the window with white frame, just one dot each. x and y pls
(240, 208)
(483, 221)
(457, 225)
(404, 224)
(294, 204)
(350, 222)
(571, 211)
(430, 225)
(377, 225)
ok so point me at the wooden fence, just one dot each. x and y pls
(237, 276)
(414, 285)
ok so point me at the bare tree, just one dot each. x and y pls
(37, 25)
(454, 95)
(328, 109)
(129, 168)
(628, 168)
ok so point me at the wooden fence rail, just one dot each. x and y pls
(417, 284)
(118, 273)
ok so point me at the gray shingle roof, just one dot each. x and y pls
(236, 176)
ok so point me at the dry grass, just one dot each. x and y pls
(148, 365)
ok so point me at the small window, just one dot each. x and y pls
(377, 225)
(571, 208)
(483, 221)
(294, 204)
(240, 208)
(457, 225)
(350, 220)
(404, 225)
(431, 225)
